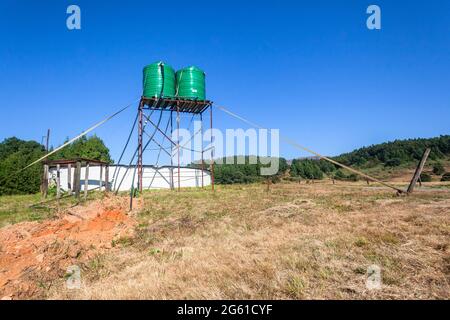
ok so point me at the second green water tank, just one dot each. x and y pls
(159, 80)
(191, 83)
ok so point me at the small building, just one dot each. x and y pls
(98, 175)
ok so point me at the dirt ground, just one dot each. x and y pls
(295, 241)
(33, 253)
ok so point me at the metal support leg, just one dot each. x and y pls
(140, 138)
(212, 149)
(172, 185)
(178, 145)
(202, 160)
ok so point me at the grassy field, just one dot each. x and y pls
(297, 241)
(20, 208)
(14, 209)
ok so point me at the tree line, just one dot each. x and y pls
(385, 155)
(16, 154)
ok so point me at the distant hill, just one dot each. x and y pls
(380, 160)
(398, 153)
(377, 159)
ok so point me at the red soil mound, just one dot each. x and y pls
(33, 253)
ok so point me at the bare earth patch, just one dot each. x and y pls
(34, 253)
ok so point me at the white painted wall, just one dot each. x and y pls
(153, 178)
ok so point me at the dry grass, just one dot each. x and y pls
(296, 242)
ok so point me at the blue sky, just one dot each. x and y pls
(310, 68)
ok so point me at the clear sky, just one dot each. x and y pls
(310, 68)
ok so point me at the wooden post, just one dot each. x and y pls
(268, 184)
(77, 180)
(101, 177)
(48, 140)
(45, 181)
(172, 180)
(107, 178)
(419, 169)
(69, 178)
(86, 181)
(58, 181)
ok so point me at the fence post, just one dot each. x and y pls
(107, 178)
(419, 169)
(69, 178)
(86, 181)
(58, 181)
(101, 178)
(77, 180)
(45, 181)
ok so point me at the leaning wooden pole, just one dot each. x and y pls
(419, 169)
(140, 146)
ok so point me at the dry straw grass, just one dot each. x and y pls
(296, 242)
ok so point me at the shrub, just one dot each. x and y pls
(275, 179)
(425, 177)
(340, 175)
(394, 162)
(446, 176)
(438, 169)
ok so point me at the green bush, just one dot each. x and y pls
(425, 177)
(393, 162)
(306, 169)
(15, 154)
(398, 152)
(340, 175)
(446, 176)
(438, 169)
(275, 179)
(246, 172)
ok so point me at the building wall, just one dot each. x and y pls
(120, 178)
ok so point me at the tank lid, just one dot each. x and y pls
(192, 68)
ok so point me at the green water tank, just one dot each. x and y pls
(191, 83)
(159, 80)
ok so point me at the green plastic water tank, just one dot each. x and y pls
(158, 80)
(191, 83)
